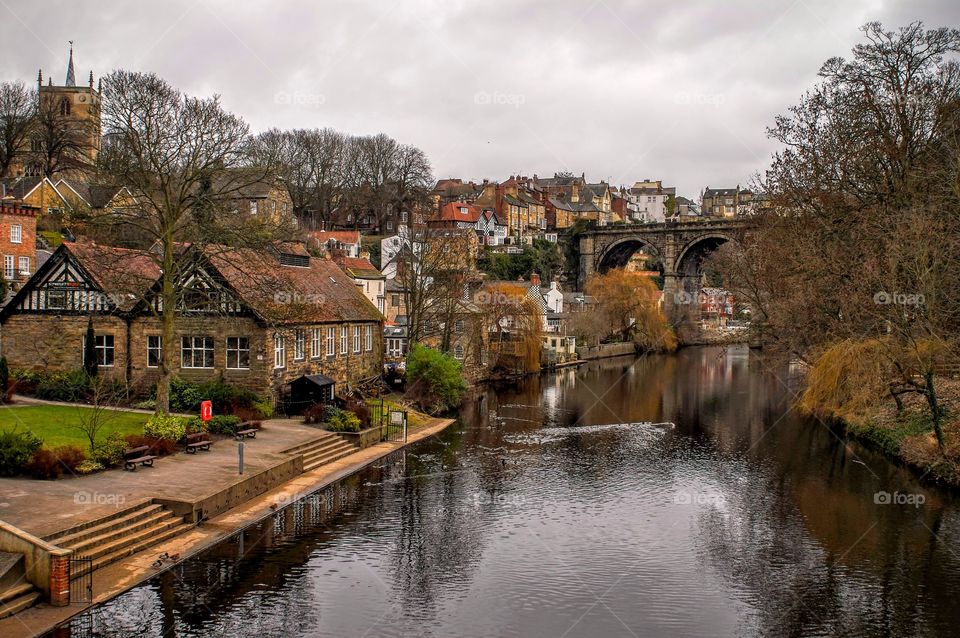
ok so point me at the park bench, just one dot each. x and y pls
(198, 441)
(247, 429)
(140, 454)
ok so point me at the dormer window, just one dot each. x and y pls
(463, 210)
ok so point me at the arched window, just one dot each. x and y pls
(64, 106)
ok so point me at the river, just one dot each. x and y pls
(655, 496)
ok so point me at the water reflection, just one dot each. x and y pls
(655, 496)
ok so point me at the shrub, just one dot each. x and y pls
(25, 381)
(165, 426)
(223, 424)
(186, 397)
(147, 404)
(109, 451)
(342, 421)
(360, 409)
(315, 414)
(71, 387)
(89, 467)
(4, 380)
(51, 464)
(16, 450)
(433, 379)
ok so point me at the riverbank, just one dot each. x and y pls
(907, 438)
(119, 577)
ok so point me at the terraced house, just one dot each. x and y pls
(257, 320)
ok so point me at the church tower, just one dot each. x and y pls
(79, 104)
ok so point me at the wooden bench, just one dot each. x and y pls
(198, 441)
(247, 430)
(140, 454)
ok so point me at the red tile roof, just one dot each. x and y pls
(358, 268)
(126, 274)
(452, 212)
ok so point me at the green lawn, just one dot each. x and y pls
(55, 424)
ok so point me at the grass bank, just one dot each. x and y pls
(59, 424)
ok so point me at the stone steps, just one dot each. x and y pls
(321, 451)
(16, 593)
(126, 532)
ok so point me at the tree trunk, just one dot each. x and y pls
(168, 299)
(936, 412)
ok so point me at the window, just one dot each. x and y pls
(196, 352)
(458, 326)
(331, 343)
(279, 351)
(24, 265)
(389, 224)
(238, 353)
(395, 300)
(369, 338)
(56, 299)
(315, 338)
(356, 339)
(102, 348)
(343, 340)
(154, 351)
(16, 234)
(8, 267)
(299, 345)
(458, 352)
(253, 207)
(403, 216)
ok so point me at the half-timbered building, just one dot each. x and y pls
(253, 319)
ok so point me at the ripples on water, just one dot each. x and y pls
(574, 506)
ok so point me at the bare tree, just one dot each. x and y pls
(18, 105)
(92, 420)
(187, 163)
(867, 177)
(59, 141)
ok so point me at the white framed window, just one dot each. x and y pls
(356, 339)
(343, 340)
(331, 342)
(196, 352)
(103, 349)
(8, 267)
(458, 352)
(16, 234)
(154, 350)
(368, 337)
(299, 345)
(238, 353)
(315, 348)
(279, 351)
(253, 207)
(24, 263)
(458, 326)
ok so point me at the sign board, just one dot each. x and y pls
(206, 410)
(396, 417)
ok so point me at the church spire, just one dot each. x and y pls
(71, 80)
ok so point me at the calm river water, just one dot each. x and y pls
(659, 496)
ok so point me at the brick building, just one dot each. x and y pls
(18, 243)
(255, 320)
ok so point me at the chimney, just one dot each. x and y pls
(535, 280)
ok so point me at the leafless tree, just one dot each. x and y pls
(60, 141)
(187, 163)
(18, 105)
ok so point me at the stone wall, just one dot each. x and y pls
(55, 342)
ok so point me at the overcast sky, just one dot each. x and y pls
(678, 91)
